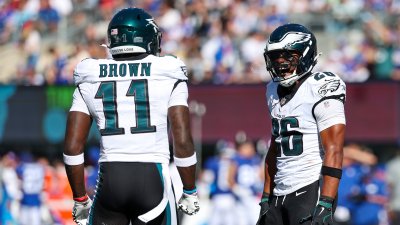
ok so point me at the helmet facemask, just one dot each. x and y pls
(155, 45)
(282, 64)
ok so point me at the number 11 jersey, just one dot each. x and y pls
(129, 102)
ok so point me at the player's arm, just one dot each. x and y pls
(269, 175)
(184, 154)
(184, 157)
(332, 141)
(179, 119)
(270, 167)
(330, 117)
(78, 126)
(183, 145)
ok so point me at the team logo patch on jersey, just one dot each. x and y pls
(330, 86)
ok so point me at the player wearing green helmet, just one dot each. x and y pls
(135, 99)
(307, 136)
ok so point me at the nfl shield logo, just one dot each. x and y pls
(114, 31)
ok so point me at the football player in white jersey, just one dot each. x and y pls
(308, 127)
(132, 98)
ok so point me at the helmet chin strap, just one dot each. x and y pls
(290, 81)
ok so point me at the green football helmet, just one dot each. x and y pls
(285, 40)
(132, 30)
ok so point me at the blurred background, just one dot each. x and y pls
(222, 42)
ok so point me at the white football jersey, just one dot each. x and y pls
(129, 102)
(296, 122)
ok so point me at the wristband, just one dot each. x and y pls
(331, 171)
(73, 160)
(81, 199)
(189, 192)
(185, 162)
(325, 201)
(265, 197)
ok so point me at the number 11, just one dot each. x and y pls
(139, 89)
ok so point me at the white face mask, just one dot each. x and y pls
(290, 81)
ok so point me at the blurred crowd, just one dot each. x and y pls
(369, 191)
(364, 196)
(231, 184)
(35, 191)
(221, 41)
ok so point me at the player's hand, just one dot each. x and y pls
(264, 203)
(323, 213)
(80, 212)
(189, 203)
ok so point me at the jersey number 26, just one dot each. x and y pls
(291, 141)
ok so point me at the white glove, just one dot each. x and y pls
(189, 203)
(80, 212)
